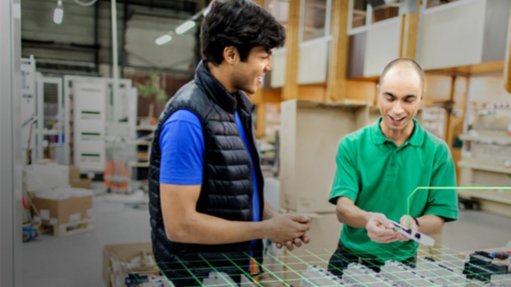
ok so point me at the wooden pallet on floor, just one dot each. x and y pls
(67, 228)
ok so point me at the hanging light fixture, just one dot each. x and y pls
(183, 28)
(58, 13)
(162, 40)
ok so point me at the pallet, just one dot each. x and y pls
(67, 228)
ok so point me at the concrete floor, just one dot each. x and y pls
(76, 260)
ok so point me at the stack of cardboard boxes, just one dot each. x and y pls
(60, 197)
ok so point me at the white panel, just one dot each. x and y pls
(313, 62)
(89, 125)
(495, 30)
(453, 36)
(93, 95)
(278, 73)
(382, 45)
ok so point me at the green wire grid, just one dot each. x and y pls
(290, 269)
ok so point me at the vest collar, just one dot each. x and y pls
(217, 92)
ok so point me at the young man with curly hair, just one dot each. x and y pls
(206, 187)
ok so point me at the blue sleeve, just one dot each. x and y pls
(182, 149)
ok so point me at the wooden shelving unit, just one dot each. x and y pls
(140, 167)
(486, 173)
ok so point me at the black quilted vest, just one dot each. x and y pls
(227, 181)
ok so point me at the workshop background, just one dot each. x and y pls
(84, 82)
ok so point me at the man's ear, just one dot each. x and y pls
(231, 54)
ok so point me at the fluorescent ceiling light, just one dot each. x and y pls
(185, 27)
(58, 13)
(164, 39)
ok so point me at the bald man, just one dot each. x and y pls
(379, 167)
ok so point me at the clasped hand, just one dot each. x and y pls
(289, 230)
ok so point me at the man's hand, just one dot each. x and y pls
(288, 230)
(380, 229)
(297, 242)
(409, 222)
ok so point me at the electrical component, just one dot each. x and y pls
(404, 275)
(480, 270)
(360, 275)
(480, 266)
(413, 234)
(317, 276)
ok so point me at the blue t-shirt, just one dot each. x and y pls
(182, 153)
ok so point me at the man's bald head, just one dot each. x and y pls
(404, 64)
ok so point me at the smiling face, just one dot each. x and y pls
(399, 99)
(248, 75)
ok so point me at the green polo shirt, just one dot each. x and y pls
(381, 177)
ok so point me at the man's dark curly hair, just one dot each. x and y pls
(239, 23)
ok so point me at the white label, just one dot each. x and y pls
(45, 214)
(75, 217)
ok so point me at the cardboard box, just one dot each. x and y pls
(63, 211)
(75, 179)
(117, 256)
(310, 134)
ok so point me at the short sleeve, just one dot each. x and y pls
(182, 149)
(443, 202)
(346, 178)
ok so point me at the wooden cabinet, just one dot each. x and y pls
(486, 164)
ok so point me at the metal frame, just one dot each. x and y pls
(328, 17)
(444, 6)
(10, 152)
(369, 20)
(41, 81)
